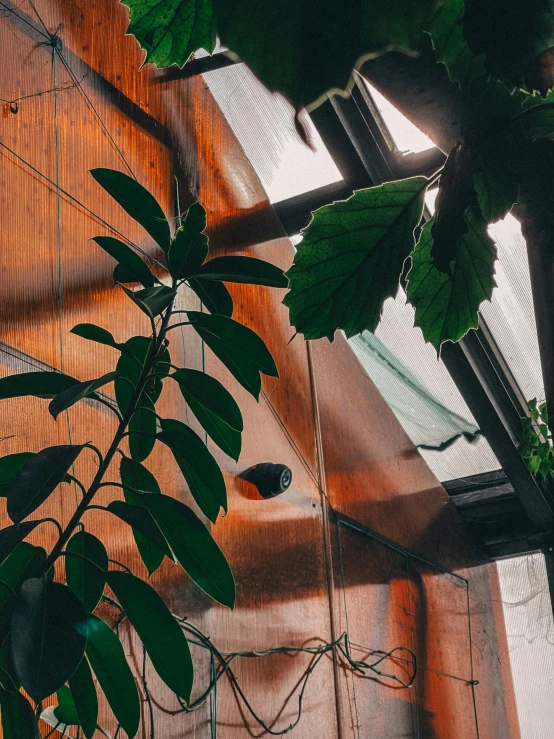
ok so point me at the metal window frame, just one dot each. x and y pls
(358, 140)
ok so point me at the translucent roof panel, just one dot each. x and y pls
(407, 137)
(530, 631)
(397, 332)
(264, 125)
(510, 315)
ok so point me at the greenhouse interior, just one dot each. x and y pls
(277, 361)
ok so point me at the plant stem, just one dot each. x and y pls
(157, 343)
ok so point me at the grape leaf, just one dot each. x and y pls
(446, 305)
(171, 30)
(351, 258)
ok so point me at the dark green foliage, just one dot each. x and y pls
(107, 659)
(152, 300)
(39, 477)
(172, 30)
(84, 697)
(243, 269)
(350, 259)
(455, 194)
(536, 442)
(137, 202)
(194, 547)
(189, 248)
(199, 468)
(73, 394)
(214, 407)
(144, 525)
(39, 384)
(240, 349)
(511, 35)
(99, 335)
(23, 562)
(214, 295)
(46, 626)
(10, 466)
(85, 572)
(11, 536)
(158, 630)
(48, 636)
(297, 47)
(18, 719)
(142, 429)
(129, 370)
(129, 262)
(446, 304)
(135, 477)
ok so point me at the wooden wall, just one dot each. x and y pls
(323, 417)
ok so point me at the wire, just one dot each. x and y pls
(341, 647)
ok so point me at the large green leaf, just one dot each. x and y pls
(65, 712)
(303, 49)
(449, 43)
(39, 384)
(240, 349)
(48, 636)
(99, 335)
(152, 300)
(18, 718)
(194, 547)
(172, 30)
(84, 695)
(298, 47)
(158, 630)
(129, 369)
(199, 468)
(496, 178)
(10, 466)
(214, 295)
(455, 195)
(214, 407)
(11, 536)
(75, 393)
(39, 477)
(351, 257)
(9, 679)
(133, 265)
(189, 248)
(142, 430)
(512, 35)
(142, 522)
(134, 476)
(86, 580)
(446, 305)
(137, 202)
(537, 121)
(243, 269)
(107, 659)
(24, 561)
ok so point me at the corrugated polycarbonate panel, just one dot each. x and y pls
(510, 316)
(530, 631)
(396, 330)
(407, 137)
(264, 125)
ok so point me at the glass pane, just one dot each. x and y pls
(264, 125)
(530, 631)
